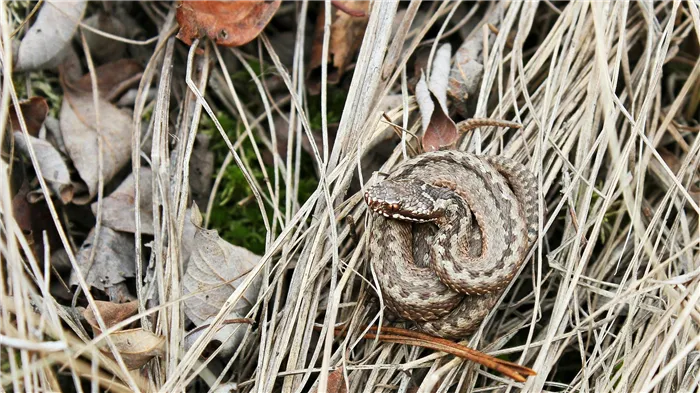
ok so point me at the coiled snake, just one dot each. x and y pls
(479, 213)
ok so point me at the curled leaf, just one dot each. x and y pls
(440, 131)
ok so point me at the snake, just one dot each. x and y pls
(449, 232)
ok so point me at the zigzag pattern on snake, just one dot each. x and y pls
(479, 213)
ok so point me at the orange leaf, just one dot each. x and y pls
(227, 23)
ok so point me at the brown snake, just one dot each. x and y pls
(479, 213)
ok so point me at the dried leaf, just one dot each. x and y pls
(347, 32)
(201, 170)
(53, 169)
(48, 39)
(468, 68)
(136, 346)
(119, 207)
(80, 135)
(215, 269)
(227, 23)
(113, 79)
(104, 49)
(34, 219)
(34, 111)
(228, 335)
(336, 382)
(188, 233)
(439, 131)
(439, 74)
(114, 259)
(112, 313)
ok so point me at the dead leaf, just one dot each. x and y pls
(136, 346)
(228, 335)
(468, 68)
(80, 135)
(34, 219)
(114, 259)
(34, 111)
(53, 134)
(227, 23)
(112, 313)
(201, 170)
(336, 382)
(347, 32)
(214, 271)
(119, 207)
(104, 49)
(113, 79)
(439, 131)
(48, 39)
(188, 233)
(53, 169)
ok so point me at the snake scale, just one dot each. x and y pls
(451, 230)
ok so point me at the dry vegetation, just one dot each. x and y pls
(608, 95)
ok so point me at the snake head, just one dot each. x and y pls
(405, 199)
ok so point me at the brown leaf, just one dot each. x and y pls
(105, 49)
(346, 36)
(113, 79)
(34, 111)
(80, 136)
(336, 382)
(136, 346)
(119, 207)
(114, 259)
(34, 219)
(227, 23)
(112, 313)
(439, 131)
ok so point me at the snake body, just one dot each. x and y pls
(476, 218)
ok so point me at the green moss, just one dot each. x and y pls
(235, 213)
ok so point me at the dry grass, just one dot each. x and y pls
(607, 302)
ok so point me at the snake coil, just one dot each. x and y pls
(451, 230)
